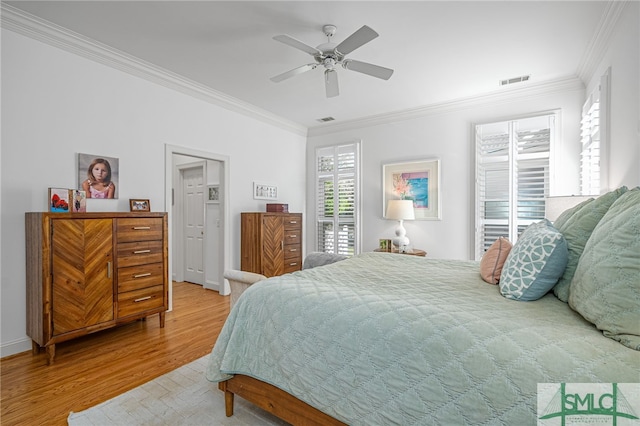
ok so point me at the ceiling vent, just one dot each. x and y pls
(325, 119)
(514, 80)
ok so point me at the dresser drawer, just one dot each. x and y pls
(139, 253)
(139, 229)
(292, 265)
(293, 223)
(292, 237)
(292, 251)
(137, 277)
(133, 302)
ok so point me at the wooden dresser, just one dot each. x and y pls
(271, 243)
(87, 272)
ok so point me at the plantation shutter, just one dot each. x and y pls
(512, 177)
(337, 199)
(593, 138)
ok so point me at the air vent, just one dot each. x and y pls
(514, 80)
(325, 119)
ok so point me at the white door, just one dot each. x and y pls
(193, 191)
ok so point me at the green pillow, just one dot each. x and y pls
(606, 286)
(566, 215)
(577, 230)
(534, 263)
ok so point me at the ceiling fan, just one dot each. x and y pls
(329, 55)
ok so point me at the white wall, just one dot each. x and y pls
(445, 132)
(56, 104)
(447, 135)
(623, 57)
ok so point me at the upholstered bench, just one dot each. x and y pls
(239, 281)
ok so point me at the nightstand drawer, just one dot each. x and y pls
(139, 253)
(142, 229)
(133, 302)
(137, 277)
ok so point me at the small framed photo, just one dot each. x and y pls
(79, 201)
(264, 191)
(385, 245)
(59, 199)
(213, 194)
(136, 205)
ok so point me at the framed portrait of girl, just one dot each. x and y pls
(98, 176)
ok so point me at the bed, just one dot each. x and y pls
(384, 338)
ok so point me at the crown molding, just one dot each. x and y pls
(522, 91)
(601, 39)
(47, 32)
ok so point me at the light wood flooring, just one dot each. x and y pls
(98, 367)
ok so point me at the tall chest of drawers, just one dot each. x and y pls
(271, 243)
(87, 272)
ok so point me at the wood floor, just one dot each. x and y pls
(98, 367)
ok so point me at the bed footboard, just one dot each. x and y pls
(274, 400)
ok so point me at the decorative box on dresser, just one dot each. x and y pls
(88, 272)
(271, 243)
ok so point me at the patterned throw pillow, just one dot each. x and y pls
(577, 230)
(493, 260)
(535, 263)
(606, 286)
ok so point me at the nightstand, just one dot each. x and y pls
(414, 252)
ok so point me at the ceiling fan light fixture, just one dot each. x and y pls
(330, 54)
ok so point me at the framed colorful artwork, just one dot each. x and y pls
(418, 181)
(59, 199)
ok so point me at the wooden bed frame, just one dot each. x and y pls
(274, 400)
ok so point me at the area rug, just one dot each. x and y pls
(181, 397)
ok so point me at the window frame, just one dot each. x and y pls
(335, 218)
(514, 223)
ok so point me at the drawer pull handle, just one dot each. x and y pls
(293, 264)
(142, 299)
(141, 228)
(293, 222)
(293, 249)
(141, 251)
(142, 275)
(293, 236)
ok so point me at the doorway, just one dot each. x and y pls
(214, 228)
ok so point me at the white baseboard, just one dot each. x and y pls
(15, 347)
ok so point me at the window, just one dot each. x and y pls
(337, 199)
(512, 177)
(593, 132)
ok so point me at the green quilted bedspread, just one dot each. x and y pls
(383, 339)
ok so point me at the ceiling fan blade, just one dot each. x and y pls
(369, 69)
(331, 83)
(288, 40)
(278, 78)
(362, 36)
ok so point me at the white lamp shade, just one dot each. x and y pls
(554, 206)
(400, 210)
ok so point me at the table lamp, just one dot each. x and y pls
(400, 210)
